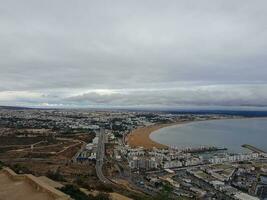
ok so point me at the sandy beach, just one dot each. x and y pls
(140, 136)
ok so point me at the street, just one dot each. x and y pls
(100, 157)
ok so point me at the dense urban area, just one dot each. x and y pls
(89, 153)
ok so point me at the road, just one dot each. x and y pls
(100, 153)
(178, 168)
(75, 157)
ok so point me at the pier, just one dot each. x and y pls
(252, 148)
(201, 149)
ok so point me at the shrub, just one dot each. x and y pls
(76, 194)
(20, 169)
(56, 176)
(1, 165)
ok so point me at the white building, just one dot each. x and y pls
(95, 140)
(172, 164)
(234, 158)
(92, 156)
(143, 163)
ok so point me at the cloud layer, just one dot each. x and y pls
(133, 53)
(231, 95)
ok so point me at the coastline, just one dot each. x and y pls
(140, 137)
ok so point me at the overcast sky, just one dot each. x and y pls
(157, 53)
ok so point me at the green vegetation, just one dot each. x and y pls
(76, 194)
(203, 175)
(20, 169)
(222, 166)
(117, 134)
(164, 194)
(1, 165)
(56, 176)
(105, 188)
(82, 180)
(100, 196)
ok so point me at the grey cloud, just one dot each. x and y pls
(216, 95)
(61, 47)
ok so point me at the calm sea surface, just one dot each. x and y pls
(230, 133)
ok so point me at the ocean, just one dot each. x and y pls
(229, 133)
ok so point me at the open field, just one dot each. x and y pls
(38, 153)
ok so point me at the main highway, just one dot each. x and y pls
(100, 154)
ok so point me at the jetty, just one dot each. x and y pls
(203, 149)
(253, 148)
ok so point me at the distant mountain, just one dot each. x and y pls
(245, 113)
(223, 112)
(14, 108)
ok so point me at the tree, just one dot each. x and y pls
(165, 194)
(20, 169)
(1, 165)
(56, 176)
(76, 194)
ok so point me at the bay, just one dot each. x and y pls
(229, 133)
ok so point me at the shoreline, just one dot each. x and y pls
(140, 137)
